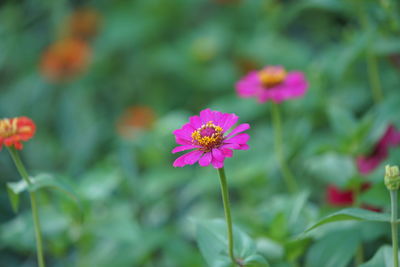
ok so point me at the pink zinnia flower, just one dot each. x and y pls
(365, 165)
(207, 136)
(272, 82)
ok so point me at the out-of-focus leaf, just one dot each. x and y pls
(335, 249)
(38, 182)
(342, 121)
(213, 244)
(332, 168)
(352, 214)
(13, 190)
(382, 258)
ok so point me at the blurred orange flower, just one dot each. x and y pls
(83, 23)
(134, 120)
(65, 59)
(15, 130)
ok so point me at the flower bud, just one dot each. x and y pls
(392, 177)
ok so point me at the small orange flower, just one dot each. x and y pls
(15, 130)
(134, 120)
(65, 59)
(83, 23)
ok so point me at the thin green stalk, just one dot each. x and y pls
(225, 200)
(35, 214)
(393, 200)
(373, 75)
(287, 175)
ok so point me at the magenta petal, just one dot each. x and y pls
(193, 156)
(183, 148)
(228, 121)
(206, 159)
(206, 116)
(180, 161)
(182, 141)
(195, 121)
(217, 164)
(249, 85)
(238, 139)
(231, 146)
(241, 128)
(243, 147)
(217, 154)
(227, 152)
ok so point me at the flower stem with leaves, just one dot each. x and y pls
(35, 214)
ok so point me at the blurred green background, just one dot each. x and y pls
(108, 81)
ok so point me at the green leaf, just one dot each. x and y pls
(382, 258)
(335, 249)
(352, 214)
(342, 120)
(213, 244)
(38, 182)
(47, 180)
(13, 190)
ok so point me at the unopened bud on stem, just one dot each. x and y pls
(392, 177)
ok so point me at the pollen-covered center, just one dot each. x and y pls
(272, 76)
(8, 127)
(208, 136)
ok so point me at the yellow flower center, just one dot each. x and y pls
(208, 136)
(8, 128)
(272, 76)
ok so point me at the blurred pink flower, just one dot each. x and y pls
(272, 83)
(391, 138)
(365, 165)
(206, 135)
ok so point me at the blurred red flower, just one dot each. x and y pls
(365, 165)
(134, 120)
(65, 59)
(83, 23)
(15, 130)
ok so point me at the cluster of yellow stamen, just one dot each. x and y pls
(272, 76)
(8, 127)
(208, 136)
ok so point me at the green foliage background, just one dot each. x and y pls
(179, 57)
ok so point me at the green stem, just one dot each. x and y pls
(393, 200)
(373, 75)
(359, 259)
(22, 171)
(225, 200)
(287, 175)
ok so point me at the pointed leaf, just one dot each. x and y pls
(13, 190)
(352, 214)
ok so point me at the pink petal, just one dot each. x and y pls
(206, 159)
(183, 148)
(217, 154)
(206, 116)
(238, 139)
(227, 121)
(180, 161)
(193, 156)
(243, 147)
(195, 121)
(217, 164)
(227, 152)
(249, 85)
(241, 128)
